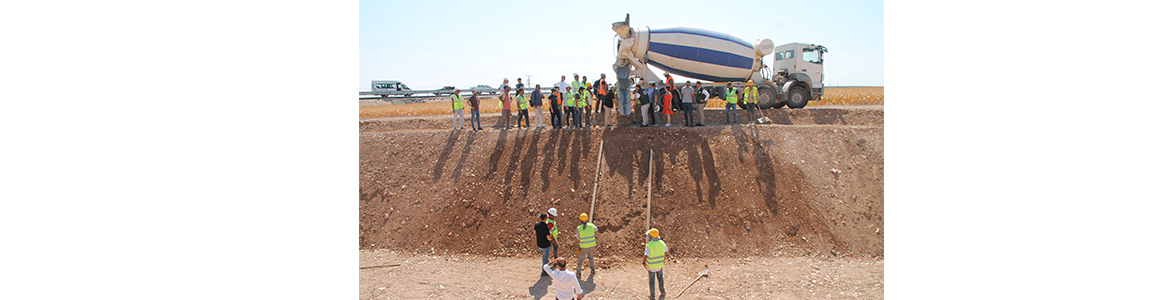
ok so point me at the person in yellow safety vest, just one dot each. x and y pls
(570, 104)
(729, 110)
(751, 98)
(587, 105)
(654, 259)
(582, 105)
(552, 227)
(587, 236)
(457, 110)
(522, 105)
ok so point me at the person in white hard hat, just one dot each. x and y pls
(552, 228)
(501, 89)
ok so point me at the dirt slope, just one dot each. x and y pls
(717, 191)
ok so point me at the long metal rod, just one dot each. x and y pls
(649, 181)
(594, 204)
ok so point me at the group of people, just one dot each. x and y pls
(572, 105)
(658, 101)
(566, 283)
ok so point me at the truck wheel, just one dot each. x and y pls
(768, 98)
(797, 97)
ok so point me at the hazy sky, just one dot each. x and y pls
(429, 44)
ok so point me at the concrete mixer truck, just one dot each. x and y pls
(721, 58)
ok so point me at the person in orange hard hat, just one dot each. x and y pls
(654, 258)
(587, 239)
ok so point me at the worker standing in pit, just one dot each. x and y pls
(587, 237)
(654, 258)
(565, 284)
(522, 105)
(457, 110)
(542, 240)
(729, 110)
(701, 97)
(537, 103)
(552, 228)
(751, 97)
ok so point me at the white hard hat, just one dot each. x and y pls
(575, 74)
(552, 211)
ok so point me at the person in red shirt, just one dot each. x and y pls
(666, 106)
(506, 111)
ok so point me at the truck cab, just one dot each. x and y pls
(799, 69)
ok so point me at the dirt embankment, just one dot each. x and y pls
(716, 191)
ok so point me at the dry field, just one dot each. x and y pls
(852, 95)
(833, 95)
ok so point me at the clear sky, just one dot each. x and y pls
(430, 44)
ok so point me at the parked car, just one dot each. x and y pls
(483, 88)
(446, 90)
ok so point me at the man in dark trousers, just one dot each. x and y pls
(542, 240)
(555, 102)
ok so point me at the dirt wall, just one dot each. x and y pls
(716, 191)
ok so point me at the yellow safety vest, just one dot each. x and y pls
(554, 228)
(585, 98)
(576, 85)
(522, 102)
(458, 102)
(730, 96)
(657, 257)
(751, 94)
(586, 234)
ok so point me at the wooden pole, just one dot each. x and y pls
(594, 204)
(649, 182)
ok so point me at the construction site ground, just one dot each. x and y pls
(769, 208)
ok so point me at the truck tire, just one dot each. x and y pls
(797, 97)
(768, 98)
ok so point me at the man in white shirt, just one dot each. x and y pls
(501, 89)
(564, 282)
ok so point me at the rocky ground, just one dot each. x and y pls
(388, 274)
